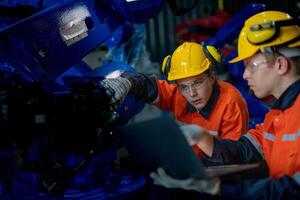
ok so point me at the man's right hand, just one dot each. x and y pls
(117, 88)
(199, 136)
(193, 133)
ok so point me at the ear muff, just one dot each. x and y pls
(166, 65)
(212, 54)
(266, 32)
(262, 33)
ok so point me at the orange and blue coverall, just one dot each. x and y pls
(225, 115)
(278, 141)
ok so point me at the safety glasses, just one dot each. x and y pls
(253, 66)
(195, 85)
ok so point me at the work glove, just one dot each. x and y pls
(117, 88)
(193, 133)
(210, 186)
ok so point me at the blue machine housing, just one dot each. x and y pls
(43, 51)
(134, 11)
(76, 29)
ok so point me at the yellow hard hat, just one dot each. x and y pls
(267, 29)
(189, 59)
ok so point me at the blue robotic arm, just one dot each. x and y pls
(50, 97)
(231, 29)
(49, 42)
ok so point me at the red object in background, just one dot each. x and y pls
(198, 30)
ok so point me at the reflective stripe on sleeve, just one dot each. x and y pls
(269, 136)
(254, 143)
(290, 137)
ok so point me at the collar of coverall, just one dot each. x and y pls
(288, 97)
(205, 112)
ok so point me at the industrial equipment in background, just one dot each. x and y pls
(56, 127)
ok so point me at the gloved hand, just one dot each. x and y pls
(193, 133)
(210, 186)
(117, 88)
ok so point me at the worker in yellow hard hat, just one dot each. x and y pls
(269, 46)
(196, 97)
(265, 31)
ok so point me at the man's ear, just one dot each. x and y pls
(212, 77)
(282, 65)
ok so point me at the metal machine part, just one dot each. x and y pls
(55, 120)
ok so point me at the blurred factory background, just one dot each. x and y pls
(52, 52)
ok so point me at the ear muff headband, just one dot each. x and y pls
(209, 54)
(266, 32)
(166, 65)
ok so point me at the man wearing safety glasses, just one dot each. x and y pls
(269, 45)
(196, 97)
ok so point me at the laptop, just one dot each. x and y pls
(160, 143)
